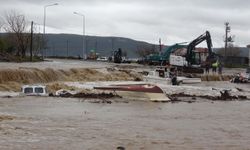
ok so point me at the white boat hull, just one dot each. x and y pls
(145, 92)
(185, 80)
(144, 96)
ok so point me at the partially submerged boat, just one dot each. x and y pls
(143, 92)
(34, 90)
(186, 80)
(164, 77)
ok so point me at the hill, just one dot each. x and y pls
(63, 44)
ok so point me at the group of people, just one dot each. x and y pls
(215, 66)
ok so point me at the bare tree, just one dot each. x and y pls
(16, 25)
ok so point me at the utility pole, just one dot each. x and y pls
(226, 37)
(31, 41)
(160, 46)
(44, 25)
(87, 47)
(84, 56)
(229, 39)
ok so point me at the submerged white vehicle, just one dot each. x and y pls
(34, 90)
(102, 59)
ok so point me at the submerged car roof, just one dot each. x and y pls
(33, 86)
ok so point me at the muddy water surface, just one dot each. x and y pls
(58, 123)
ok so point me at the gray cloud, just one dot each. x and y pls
(173, 21)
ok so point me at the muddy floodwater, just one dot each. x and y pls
(59, 123)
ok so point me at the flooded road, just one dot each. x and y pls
(59, 123)
(55, 64)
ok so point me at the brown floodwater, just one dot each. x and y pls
(59, 123)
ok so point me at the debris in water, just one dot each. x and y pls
(225, 96)
(120, 148)
(6, 117)
(101, 101)
(53, 87)
(91, 95)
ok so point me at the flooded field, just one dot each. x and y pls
(58, 123)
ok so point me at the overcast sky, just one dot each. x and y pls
(173, 21)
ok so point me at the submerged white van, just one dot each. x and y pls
(34, 90)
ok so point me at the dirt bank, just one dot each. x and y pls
(216, 77)
(12, 79)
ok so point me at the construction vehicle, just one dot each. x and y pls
(118, 56)
(190, 62)
(186, 60)
(92, 55)
(163, 59)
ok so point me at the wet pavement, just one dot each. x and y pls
(60, 123)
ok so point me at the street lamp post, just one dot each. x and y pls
(83, 35)
(44, 22)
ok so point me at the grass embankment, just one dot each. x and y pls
(13, 79)
(216, 77)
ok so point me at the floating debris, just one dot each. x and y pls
(145, 92)
(6, 117)
(84, 94)
(225, 96)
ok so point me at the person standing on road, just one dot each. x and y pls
(207, 67)
(220, 68)
(214, 67)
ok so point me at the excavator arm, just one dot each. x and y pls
(191, 47)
